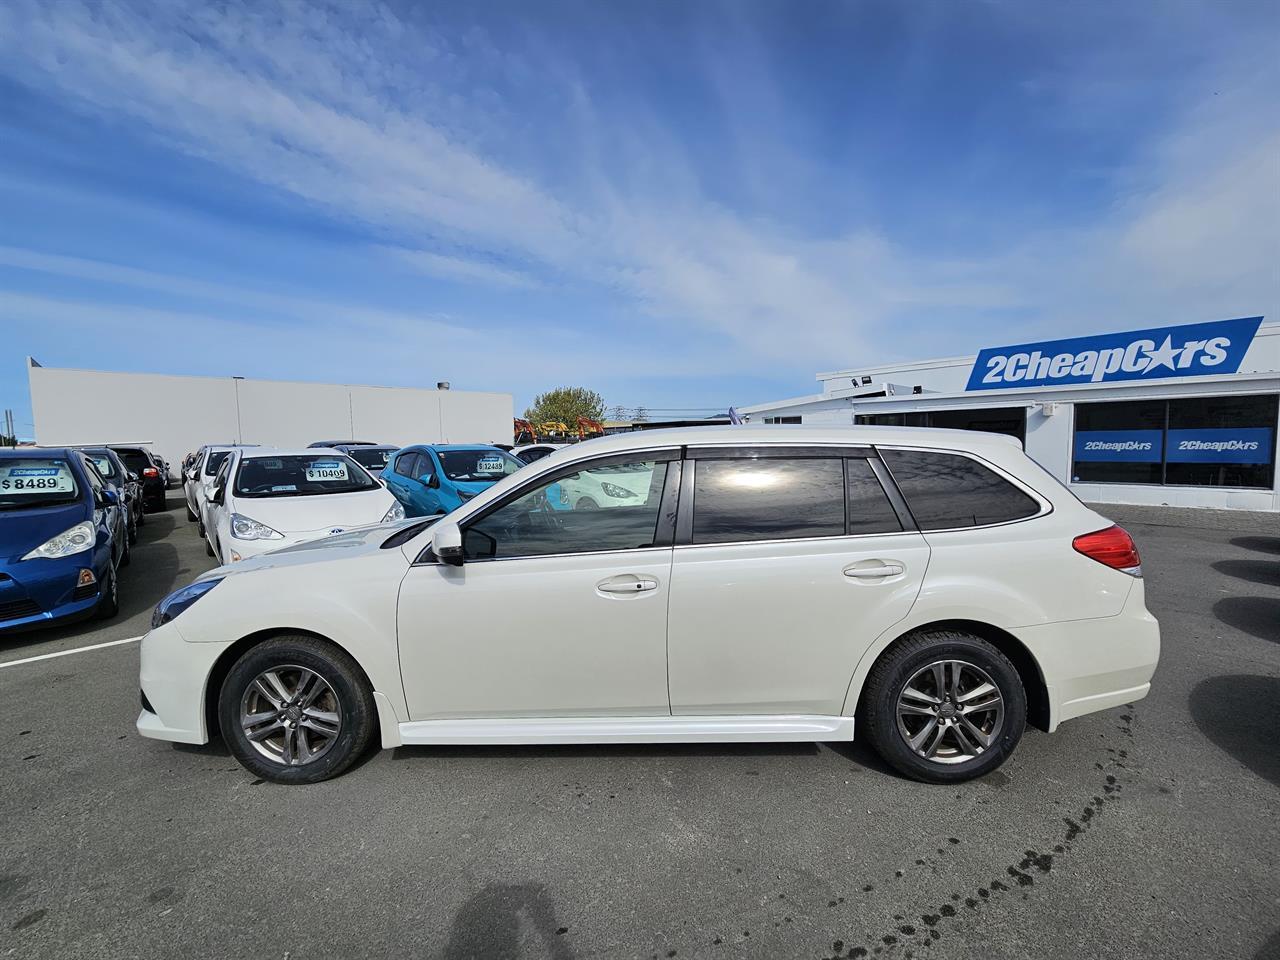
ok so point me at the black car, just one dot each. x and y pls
(149, 470)
(126, 483)
(372, 456)
(342, 443)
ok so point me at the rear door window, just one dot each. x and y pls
(769, 498)
(948, 490)
(869, 508)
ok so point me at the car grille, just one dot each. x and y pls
(15, 609)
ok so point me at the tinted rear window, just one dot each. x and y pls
(214, 461)
(772, 498)
(135, 460)
(946, 490)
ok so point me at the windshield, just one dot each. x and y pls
(298, 475)
(481, 465)
(214, 461)
(103, 463)
(372, 458)
(36, 482)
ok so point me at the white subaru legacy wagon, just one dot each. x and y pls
(931, 590)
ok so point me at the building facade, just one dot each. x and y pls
(175, 414)
(1183, 415)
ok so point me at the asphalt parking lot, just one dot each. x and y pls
(1145, 832)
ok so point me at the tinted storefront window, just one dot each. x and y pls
(1119, 442)
(1201, 441)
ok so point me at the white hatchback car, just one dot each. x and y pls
(263, 499)
(764, 583)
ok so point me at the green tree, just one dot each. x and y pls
(566, 404)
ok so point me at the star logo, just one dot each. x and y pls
(1162, 356)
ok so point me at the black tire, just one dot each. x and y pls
(878, 713)
(126, 556)
(191, 515)
(142, 514)
(133, 530)
(347, 684)
(586, 503)
(208, 547)
(108, 597)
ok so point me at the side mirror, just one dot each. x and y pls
(110, 498)
(215, 495)
(133, 477)
(430, 480)
(446, 543)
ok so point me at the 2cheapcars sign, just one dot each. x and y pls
(1190, 350)
(1219, 445)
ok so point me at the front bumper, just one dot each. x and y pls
(40, 592)
(173, 676)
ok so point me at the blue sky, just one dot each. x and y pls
(677, 204)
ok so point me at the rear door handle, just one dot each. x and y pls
(878, 572)
(627, 583)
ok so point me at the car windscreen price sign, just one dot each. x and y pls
(1189, 350)
(38, 476)
(321, 470)
(1250, 445)
(489, 465)
(1119, 446)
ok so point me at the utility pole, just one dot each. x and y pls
(10, 436)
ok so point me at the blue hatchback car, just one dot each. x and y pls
(431, 479)
(62, 538)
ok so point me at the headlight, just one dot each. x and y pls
(179, 600)
(615, 491)
(78, 539)
(395, 513)
(246, 528)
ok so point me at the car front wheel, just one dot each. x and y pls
(296, 710)
(944, 706)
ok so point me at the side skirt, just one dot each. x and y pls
(683, 729)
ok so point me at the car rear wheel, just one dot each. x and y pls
(296, 710)
(586, 503)
(944, 706)
(191, 515)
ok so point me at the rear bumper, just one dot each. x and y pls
(1092, 665)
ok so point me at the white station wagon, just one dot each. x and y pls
(935, 590)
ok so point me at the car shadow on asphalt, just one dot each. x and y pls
(1266, 572)
(1260, 544)
(1256, 616)
(1236, 713)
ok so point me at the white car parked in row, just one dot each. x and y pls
(262, 500)
(198, 480)
(764, 583)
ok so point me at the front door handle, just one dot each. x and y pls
(877, 572)
(627, 583)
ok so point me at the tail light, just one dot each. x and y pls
(150, 472)
(1112, 547)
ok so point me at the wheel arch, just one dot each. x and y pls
(227, 659)
(1019, 655)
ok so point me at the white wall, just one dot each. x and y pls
(177, 414)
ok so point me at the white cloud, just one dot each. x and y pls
(399, 130)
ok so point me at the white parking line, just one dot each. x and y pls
(67, 653)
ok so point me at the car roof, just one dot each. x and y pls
(15, 453)
(795, 435)
(251, 452)
(454, 446)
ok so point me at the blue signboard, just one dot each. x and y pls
(1190, 350)
(1230, 445)
(1119, 446)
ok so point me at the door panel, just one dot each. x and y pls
(537, 636)
(778, 627)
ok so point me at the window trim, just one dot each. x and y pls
(668, 455)
(1046, 505)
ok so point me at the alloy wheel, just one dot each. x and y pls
(950, 711)
(291, 715)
